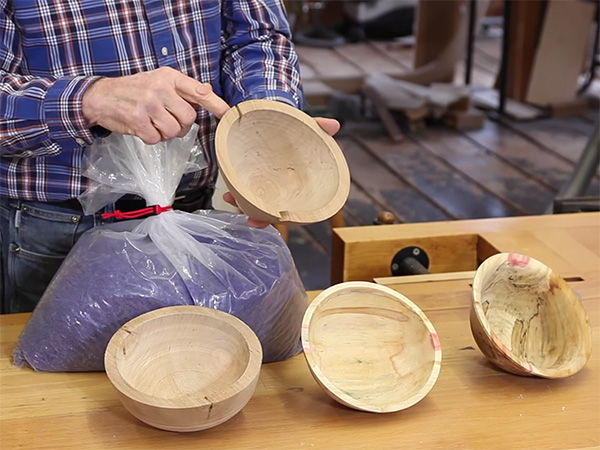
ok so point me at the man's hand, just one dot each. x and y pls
(155, 106)
(331, 126)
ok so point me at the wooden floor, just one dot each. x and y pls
(505, 169)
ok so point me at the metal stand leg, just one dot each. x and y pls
(584, 171)
(503, 75)
(470, 40)
(594, 62)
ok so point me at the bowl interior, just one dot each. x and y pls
(534, 313)
(179, 356)
(371, 350)
(281, 163)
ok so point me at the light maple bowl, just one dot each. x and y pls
(184, 368)
(527, 320)
(279, 165)
(370, 348)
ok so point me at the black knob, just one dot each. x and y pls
(410, 261)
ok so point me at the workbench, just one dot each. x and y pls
(472, 406)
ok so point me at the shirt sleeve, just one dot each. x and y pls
(38, 116)
(259, 59)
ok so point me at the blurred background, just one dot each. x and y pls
(451, 109)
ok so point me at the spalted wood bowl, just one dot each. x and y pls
(279, 165)
(370, 348)
(527, 320)
(184, 368)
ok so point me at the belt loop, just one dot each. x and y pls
(98, 220)
(18, 214)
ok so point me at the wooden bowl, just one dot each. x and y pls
(370, 348)
(527, 320)
(184, 368)
(279, 165)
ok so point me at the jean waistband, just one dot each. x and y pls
(122, 205)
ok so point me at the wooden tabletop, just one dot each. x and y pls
(472, 406)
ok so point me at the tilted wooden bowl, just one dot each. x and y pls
(370, 347)
(184, 368)
(279, 165)
(527, 320)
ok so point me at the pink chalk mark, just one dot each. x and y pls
(515, 259)
(435, 341)
(496, 340)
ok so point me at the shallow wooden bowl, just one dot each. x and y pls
(370, 347)
(527, 320)
(184, 368)
(279, 165)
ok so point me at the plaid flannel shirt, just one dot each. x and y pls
(51, 50)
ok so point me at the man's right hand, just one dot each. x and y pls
(155, 106)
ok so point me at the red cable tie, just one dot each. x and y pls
(118, 215)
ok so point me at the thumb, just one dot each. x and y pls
(330, 126)
(200, 95)
(206, 98)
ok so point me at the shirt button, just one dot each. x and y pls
(80, 141)
(164, 51)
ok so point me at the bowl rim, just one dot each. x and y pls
(477, 307)
(334, 205)
(246, 379)
(322, 377)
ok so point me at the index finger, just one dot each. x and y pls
(201, 94)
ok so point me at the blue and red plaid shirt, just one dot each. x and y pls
(51, 50)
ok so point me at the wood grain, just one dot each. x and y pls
(433, 34)
(361, 206)
(527, 320)
(448, 252)
(316, 93)
(328, 64)
(365, 253)
(490, 99)
(508, 183)
(561, 51)
(369, 59)
(565, 136)
(290, 410)
(525, 24)
(453, 192)
(427, 278)
(370, 348)
(279, 164)
(538, 163)
(371, 176)
(397, 52)
(184, 368)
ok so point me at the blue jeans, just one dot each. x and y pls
(35, 239)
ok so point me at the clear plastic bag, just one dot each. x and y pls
(120, 164)
(119, 271)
